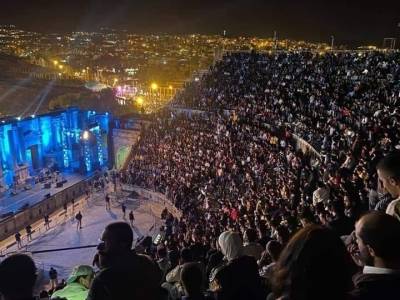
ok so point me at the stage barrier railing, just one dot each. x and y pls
(18, 221)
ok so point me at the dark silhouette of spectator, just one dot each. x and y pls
(251, 246)
(28, 230)
(314, 265)
(17, 277)
(78, 218)
(18, 240)
(341, 224)
(239, 278)
(108, 200)
(123, 272)
(192, 281)
(53, 277)
(47, 222)
(131, 218)
(378, 239)
(123, 208)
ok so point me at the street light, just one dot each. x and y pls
(61, 67)
(55, 62)
(140, 100)
(154, 86)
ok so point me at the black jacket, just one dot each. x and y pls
(376, 286)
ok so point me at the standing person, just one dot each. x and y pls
(47, 222)
(18, 240)
(131, 218)
(108, 205)
(78, 217)
(29, 232)
(53, 278)
(65, 206)
(123, 207)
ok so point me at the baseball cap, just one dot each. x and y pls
(78, 271)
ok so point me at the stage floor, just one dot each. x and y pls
(12, 203)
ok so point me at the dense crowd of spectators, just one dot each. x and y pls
(261, 218)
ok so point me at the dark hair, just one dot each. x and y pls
(274, 248)
(192, 278)
(307, 215)
(121, 232)
(186, 255)
(161, 252)
(251, 235)
(313, 262)
(17, 275)
(381, 232)
(390, 165)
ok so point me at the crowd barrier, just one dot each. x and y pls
(155, 197)
(32, 214)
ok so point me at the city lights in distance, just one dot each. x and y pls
(154, 86)
(140, 100)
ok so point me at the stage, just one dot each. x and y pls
(13, 203)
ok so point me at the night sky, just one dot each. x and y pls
(349, 20)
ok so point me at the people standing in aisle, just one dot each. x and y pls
(65, 206)
(53, 278)
(78, 217)
(28, 232)
(18, 240)
(108, 205)
(131, 218)
(123, 207)
(47, 222)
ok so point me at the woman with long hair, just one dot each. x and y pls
(314, 265)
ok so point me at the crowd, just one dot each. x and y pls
(263, 219)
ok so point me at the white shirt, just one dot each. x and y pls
(390, 210)
(375, 270)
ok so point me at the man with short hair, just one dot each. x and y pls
(378, 239)
(124, 274)
(388, 170)
(17, 277)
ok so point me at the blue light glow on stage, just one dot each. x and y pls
(70, 140)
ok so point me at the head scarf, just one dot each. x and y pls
(231, 245)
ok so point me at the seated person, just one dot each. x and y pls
(78, 284)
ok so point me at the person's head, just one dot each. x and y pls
(117, 237)
(17, 277)
(306, 218)
(274, 249)
(186, 256)
(388, 170)
(82, 274)
(161, 252)
(231, 244)
(378, 239)
(250, 235)
(314, 261)
(337, 208)
(173, 257)
(192, 279)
